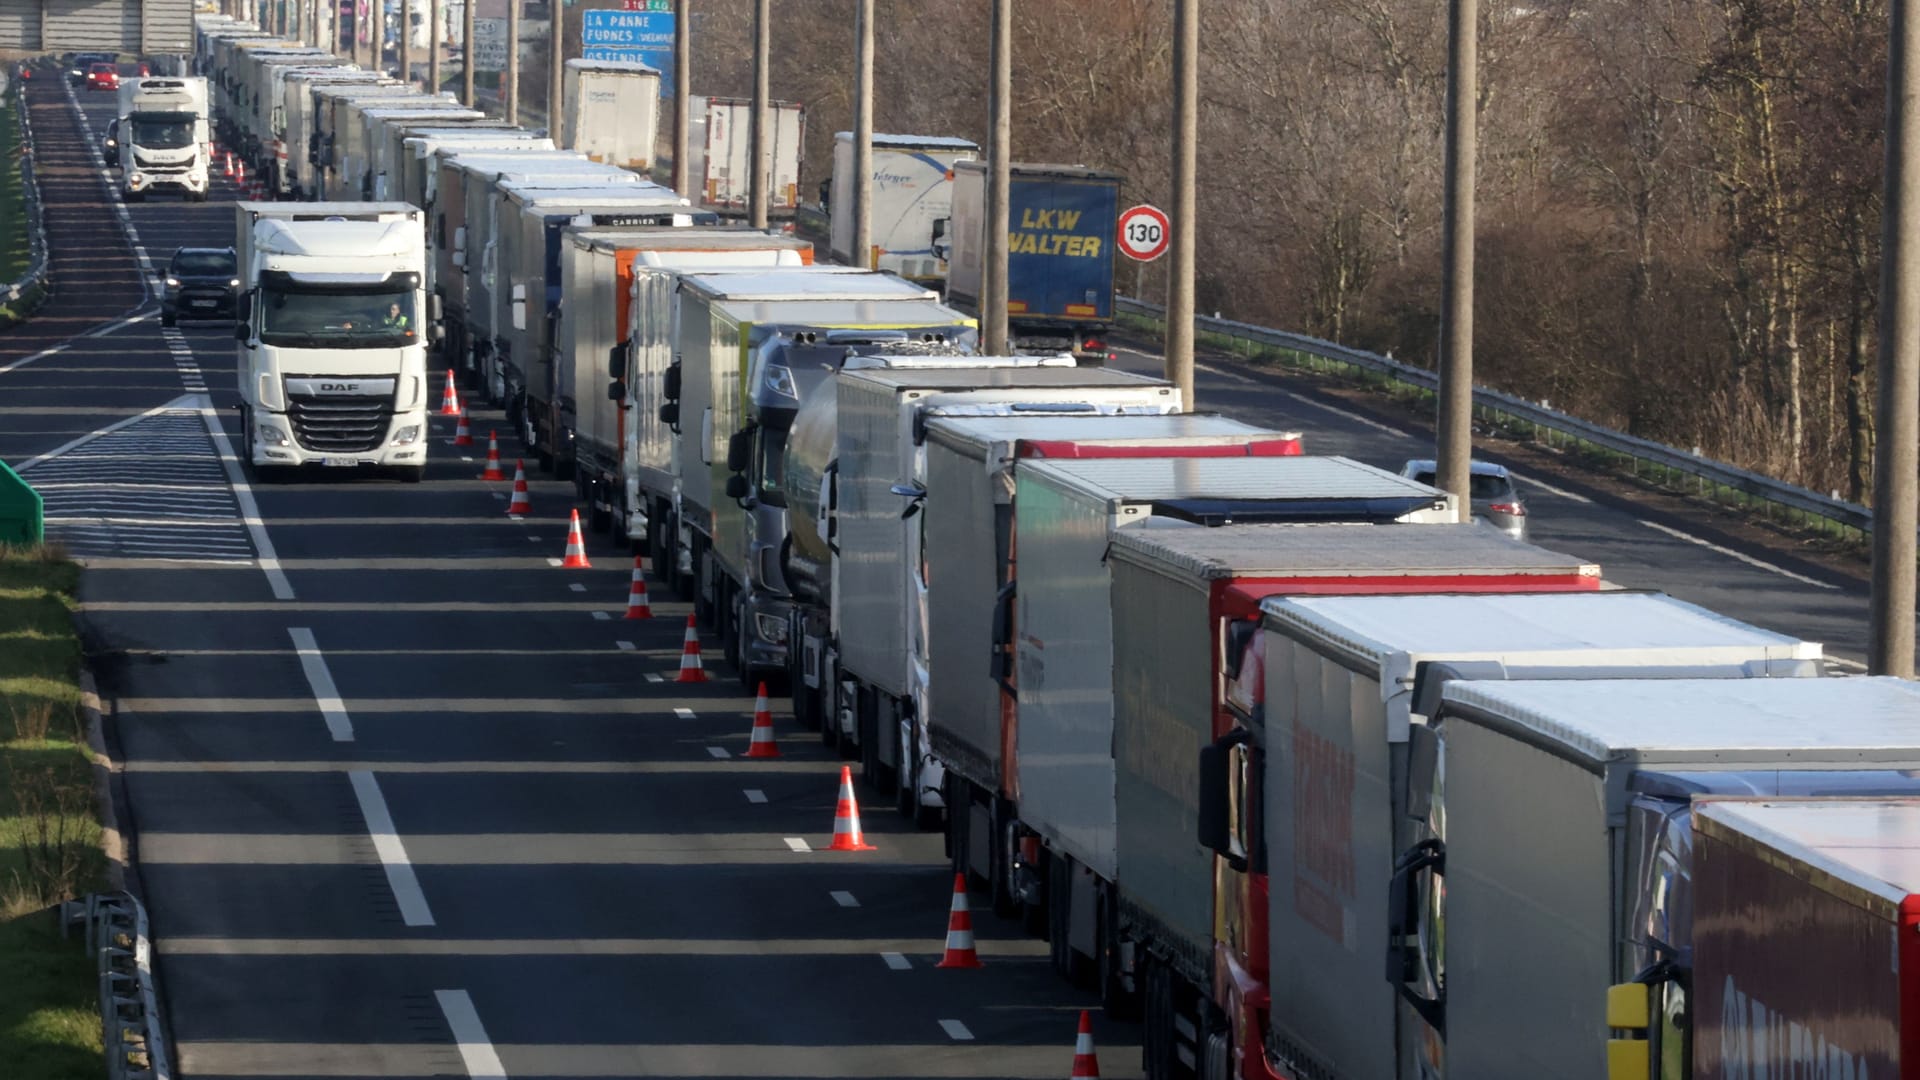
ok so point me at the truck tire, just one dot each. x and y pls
(959, 802)
(413, 474)
(1059, 915)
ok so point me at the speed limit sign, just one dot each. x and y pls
(1143, 233)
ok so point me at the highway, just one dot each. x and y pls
(406, 800)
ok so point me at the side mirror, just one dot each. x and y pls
(670, 414)
(435, 310)
(739, 452)
(1403, 929)
(435, 332)
(617, 359)
(241, 331)
(616, 390)
(737, 487)
(939, 227)
(1216, 824)
(670, 383)
(1000, 666)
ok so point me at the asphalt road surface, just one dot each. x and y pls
(407, 800)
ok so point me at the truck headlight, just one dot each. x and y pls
(273, 436)
(407, 436)
(772, 628)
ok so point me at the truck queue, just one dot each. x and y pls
(1270, 749)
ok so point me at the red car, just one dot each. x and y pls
(103, 77)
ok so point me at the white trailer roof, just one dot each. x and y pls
(804, 283)
(693, 238)
(984, 431)
(632, 67)
(1872, 844)
(913, 142)
(1275, 478)
(970, 373)
(1825, 721)
(646, 192)
(1339, 550)
(872, 314)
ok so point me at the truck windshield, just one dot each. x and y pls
(162, 131)
(773, 462)
(380, 317)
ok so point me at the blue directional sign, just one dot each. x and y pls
(644, 37)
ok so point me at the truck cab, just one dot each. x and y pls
(163, 137)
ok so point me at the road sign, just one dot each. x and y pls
(642, 34)
(489, 44)
(1144, 233)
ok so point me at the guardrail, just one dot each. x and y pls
(1518, 418)
(116, 925)
(34, 278)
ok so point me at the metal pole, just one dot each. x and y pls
(1186, 214)
(1455, 429)
(762, 152)
(682, 76)
(513, 61)
(993, 283)
(434, 33)
(1897, 412)
(466, 53)
(403, 42)
(556, 71)
(862, 253)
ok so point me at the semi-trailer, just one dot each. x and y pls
(329, 139)
(301, 179)
(386, 168)
(912, 185)
(612, 112)
(165, 143)
(362, 125)
(719, 155)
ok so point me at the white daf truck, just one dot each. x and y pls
(333, 331)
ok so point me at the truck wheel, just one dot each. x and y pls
(1156, 1049)
(599, 518)
(413, 474)
(168, 318)
(133, 196)
(959, 817)
(1000, 850)
(1059, 916)
(1115, 999)
(544, 457)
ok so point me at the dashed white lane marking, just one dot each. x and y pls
(501, 495)
(794, 843)
(755, 795)
(602, 616)
(1732, 554)
(623, 646)
(956, 1031)
(339, 725)
(476, 1050)
(896, 961)
(654, 676)
(577, 587)
(1223, 373)
(1550, 489)
(844, 898)
(1351, 416)
(718, 751)
(535, 540)
(393, 853)
(550, 562)
(683, 713)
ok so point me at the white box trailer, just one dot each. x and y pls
(302, 137)
(329, 119)
(528, 291)
(719, 144)
(269, 108)
(390, 155)
(614, 332)
(1342, 676)
(366, 123)
(912, 186)
(612, 112)
(1560, 803)
(419, 165)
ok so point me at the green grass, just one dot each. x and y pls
(49, 835)
(14, 251)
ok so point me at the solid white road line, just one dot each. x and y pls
(1732, 554)
(844, 898)
(755, 795)
(249, 509)
(956, 1031)
(897, 961)
(476, 1050)
(393, 854)
(794, 843)
(1352, 416)
(321, 680)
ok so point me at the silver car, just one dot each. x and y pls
(1494, 498)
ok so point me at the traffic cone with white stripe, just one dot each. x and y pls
(493, 456)
(229, 164)
(1084, 1061)
(637, 605)
(690, 667)
(576, 558)
(960, 950)
(449, 402)
(520, 506)
(462, 434)
(846, 819)
(762, 744)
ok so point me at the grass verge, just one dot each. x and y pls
(49, 834)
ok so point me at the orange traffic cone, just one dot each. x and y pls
(1084, 1061)
(960, 951)
(690, 667)
(449, 403)
(229, 164)
(462, 434)
(762, 744)
(240, 172)
(520, 506)
(637, 606)
(576, 547)
(493, 456)
(846, 819)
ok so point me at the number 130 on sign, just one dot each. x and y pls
(1143, 233)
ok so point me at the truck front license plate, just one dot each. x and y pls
(333, 461)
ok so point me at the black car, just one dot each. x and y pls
(201, 284)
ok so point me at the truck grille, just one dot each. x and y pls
(340, 423)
